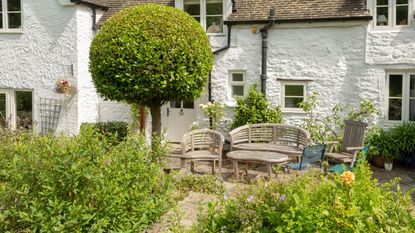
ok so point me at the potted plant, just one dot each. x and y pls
(385, 147)
(404, 136)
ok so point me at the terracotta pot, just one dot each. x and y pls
(378, 161)
(388, 166)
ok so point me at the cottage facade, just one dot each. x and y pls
(344, 50)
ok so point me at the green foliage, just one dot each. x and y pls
(254, 108)
(384, 144)
(326, 127)
(115, 131)
(150, 54)
(79, 184)
(312, 202)
(205, 184)
(214, 111)
(404, 134)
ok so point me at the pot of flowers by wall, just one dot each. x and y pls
(404, 136)
(385, 148)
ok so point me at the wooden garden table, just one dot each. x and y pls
(253, 156)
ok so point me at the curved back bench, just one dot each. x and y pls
(286, 139)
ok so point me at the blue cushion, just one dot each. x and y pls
(339, 168)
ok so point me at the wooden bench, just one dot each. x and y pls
(286, 139)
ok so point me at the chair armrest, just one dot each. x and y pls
(332, 145)
(354, 148)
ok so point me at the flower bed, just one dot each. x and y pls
(79, 184)
(313, 202)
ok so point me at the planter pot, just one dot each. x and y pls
(378, 161)
(388, 166)
(409, 160)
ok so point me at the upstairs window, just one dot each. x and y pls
(10, 15)
(392, 13)
(237, 83)
(208, 12)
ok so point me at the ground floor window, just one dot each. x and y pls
(293, 93)
(16, 108)
(237, 81)
(400, 88)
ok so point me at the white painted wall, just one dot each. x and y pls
(43, 53)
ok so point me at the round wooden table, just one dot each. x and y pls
(261, 157)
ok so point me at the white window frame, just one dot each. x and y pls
(180, 4)
(11, 107)
(405, 95)
(392, 15)
(293, 83)
(5, 16)
(237, 83)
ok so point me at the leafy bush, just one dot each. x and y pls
(254, 109)
(326, 127)
(205, 184)
(79, 184)
(312, 202)
(115, 131)
(150, 54)
(404, 134)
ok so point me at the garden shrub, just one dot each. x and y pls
(79, 184)
(115, 131)
(209, 184)
(314, 202)
(254, 108)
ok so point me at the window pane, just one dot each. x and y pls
(382, 17)
(175, 104)
(395, 86)
(14, 20)
(294, 90)
(24, 109)
(192, 7)
(237, 77)
(412, 110)
(214, 7)
(1, 19)
(291, 102)
(402, 15)
(382, 2)
(1, 6)
(412, 86)
(395, 109)
(13, 5)
(401, 1)
(188, 104)
(3, 117)
(214, 24)
(238, 90)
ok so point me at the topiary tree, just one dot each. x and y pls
(254, 109)
(150, 54)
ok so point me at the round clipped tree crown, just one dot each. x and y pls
(150, 54)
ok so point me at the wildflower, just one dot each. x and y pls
(347, 177)
(282, 198)
(225, 197)
(250, 198)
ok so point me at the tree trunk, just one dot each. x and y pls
(156, 119)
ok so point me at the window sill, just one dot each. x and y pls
(293, 111)
(11, 32)
(392, 29)
(216, 34)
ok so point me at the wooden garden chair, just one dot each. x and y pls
(354, 135)
(202, 145)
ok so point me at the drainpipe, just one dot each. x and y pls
(264, 51)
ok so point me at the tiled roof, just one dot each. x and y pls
(259, 10)
(254, 10)
(98, 3)
(117, 5)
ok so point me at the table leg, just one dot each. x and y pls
(235, 168)
(269, 170)
(192, 167)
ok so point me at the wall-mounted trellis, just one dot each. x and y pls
(49, 114)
